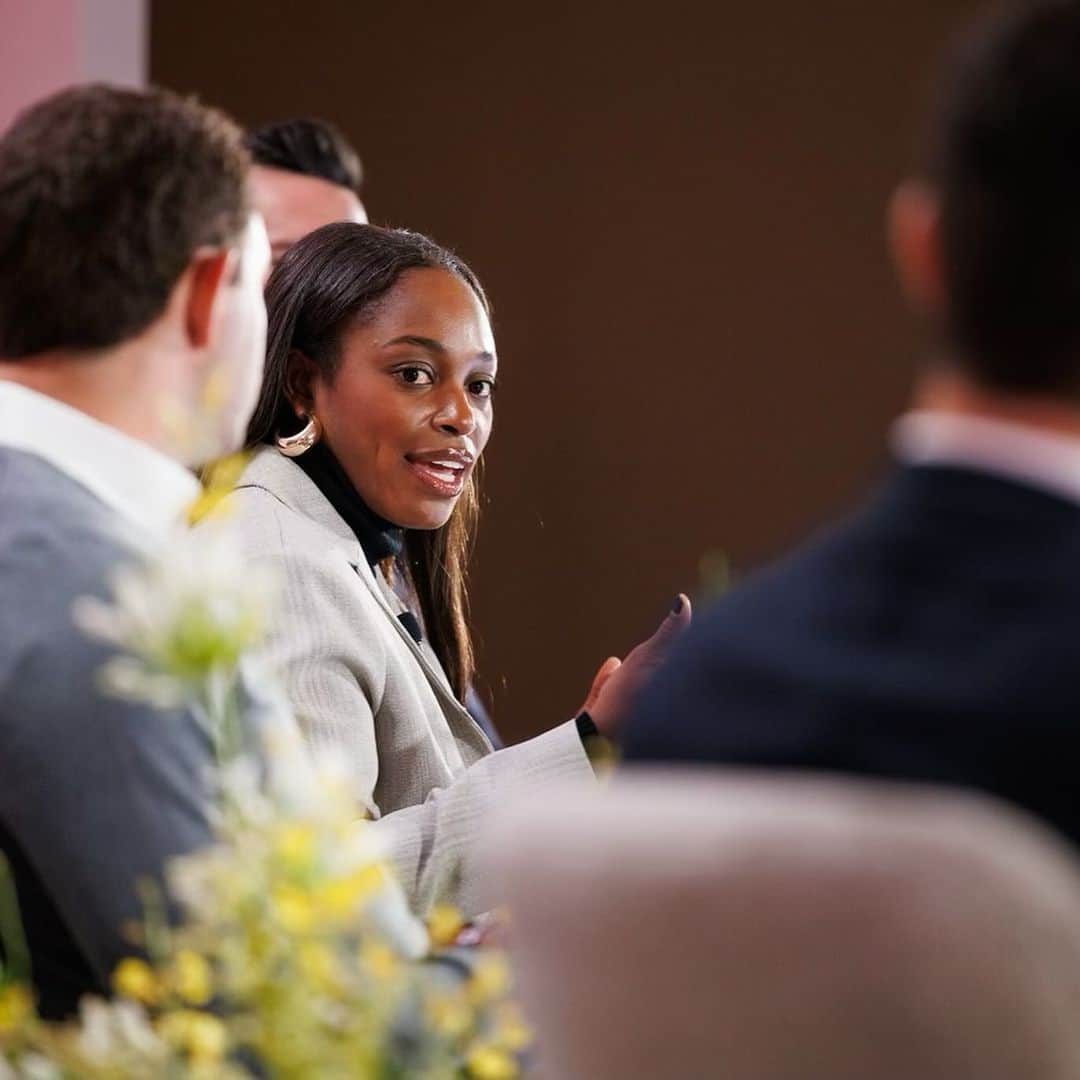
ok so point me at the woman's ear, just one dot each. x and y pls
(300, 374)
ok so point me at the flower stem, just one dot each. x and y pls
(16, 952)
(221, 712)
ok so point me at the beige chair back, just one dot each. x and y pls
(780, 927)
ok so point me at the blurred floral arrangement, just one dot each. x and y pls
(296, 954)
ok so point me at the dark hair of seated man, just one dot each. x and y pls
(1003, 154)
(105, 194)
(307, 146)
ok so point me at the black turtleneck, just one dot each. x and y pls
(379, 538)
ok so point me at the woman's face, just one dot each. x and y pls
(408, 412)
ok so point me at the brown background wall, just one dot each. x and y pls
(678, 215)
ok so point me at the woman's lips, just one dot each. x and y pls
(443, 481)
(443, 472)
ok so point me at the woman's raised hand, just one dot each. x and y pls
(617, 681)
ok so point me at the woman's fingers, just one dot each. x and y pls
(652, 650)
(611, 695)
(678, 619)
(606, 670)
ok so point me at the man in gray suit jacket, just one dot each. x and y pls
(131, 274)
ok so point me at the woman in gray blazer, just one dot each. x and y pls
(376, 407)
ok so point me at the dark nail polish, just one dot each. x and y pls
(676, 605)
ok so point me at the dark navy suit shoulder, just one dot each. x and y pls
(933, 635)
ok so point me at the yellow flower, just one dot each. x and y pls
(218, 478)
(379, 959)
(209, 1039)
(294, 909)
(444, 923)
(317, 965)
(135, 979)
(490, 979)
(191, 977)
(294, 843)
(201, 1035)
(511, 1031)
(486, 1062)
(450, 1015)
(16, 1006)
(339, 898)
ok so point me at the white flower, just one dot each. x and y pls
(133, 1027)
(95, 1031)
(389, 913)
(180, 618)
(107, 1029)
(37, 1067)
(191, 883)
(241, 792)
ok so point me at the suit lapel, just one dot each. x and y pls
(463, 726)
(290, 484)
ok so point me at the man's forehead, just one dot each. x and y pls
(279, 190)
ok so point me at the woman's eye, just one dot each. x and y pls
(482, 388)
(414, 376)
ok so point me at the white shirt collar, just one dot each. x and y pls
(148, 489)
(1025, 454)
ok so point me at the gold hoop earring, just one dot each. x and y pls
(293, 446)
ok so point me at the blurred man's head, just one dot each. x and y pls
(129, 252)
(306, 175)
(988, 242)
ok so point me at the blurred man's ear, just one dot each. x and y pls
(211, 270)
(914, 231)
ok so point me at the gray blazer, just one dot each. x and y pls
(95, 793)
(419, 764)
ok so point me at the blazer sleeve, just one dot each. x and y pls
(432, 845)
(334, 674)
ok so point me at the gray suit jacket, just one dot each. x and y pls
(95, 793)
(361, 685)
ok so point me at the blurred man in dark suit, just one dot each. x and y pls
(935, 634)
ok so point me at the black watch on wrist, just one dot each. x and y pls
(586, 727)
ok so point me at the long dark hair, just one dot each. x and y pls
(323, 285)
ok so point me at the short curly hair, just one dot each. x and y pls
(106, 193)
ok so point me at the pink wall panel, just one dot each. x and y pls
(38, 51)
(47, 44)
